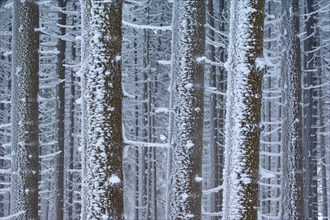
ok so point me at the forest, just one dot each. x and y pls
(165, 109)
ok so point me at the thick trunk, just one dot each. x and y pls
(292, 184)
(25, 130)
(188, 76)
(243, 115)
(103, 177)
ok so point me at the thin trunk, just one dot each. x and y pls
(214, 148)
(61, 46)
(70, 157)
(309, 117)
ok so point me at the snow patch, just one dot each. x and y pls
(189, 144)
(162, 137)
(189, 86)
(184, 196)
(260, 63)
(158, 110)
(79, 101)
(114, 179)
(105, 217)
(201, 59)
(199, 179)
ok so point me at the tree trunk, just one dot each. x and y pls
(292, 184)
(25, 130)
(60, 69)
(103, 180)
(188, 76)
(245, 69)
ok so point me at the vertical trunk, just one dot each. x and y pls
(188, 76)
(292, 184)
(214, 148)
(103, 180)
(25, 130)
(60, 69)
(245, 68)
(323, 154)
(70, 157)
(5, 85)
(309, 117)
(146, 117)
(137, 191)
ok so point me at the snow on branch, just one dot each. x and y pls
(5, 171)
(13, 216)
(5, 125)
(145, 144)
(212, 213)
(212, 190)
(213, 90)
(50, 155)
(147, 27)
(164, 62)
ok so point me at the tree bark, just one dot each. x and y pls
(188, 75)
(292, 181)
(309, 131)
(25, 122)
(103, 177)
(245, 68)
(60, 69)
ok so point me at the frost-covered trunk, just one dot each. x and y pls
(188, 76)
(245, 68)
(270, 145)
(102, 97)
(5, 126)
(292, 181)
(60, 69)
(216, 45)
(309, 110)
(25, 130)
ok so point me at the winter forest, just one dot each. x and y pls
(165, 109)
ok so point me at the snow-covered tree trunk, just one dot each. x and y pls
(102, 97)
(310, 107)
(188, 76)
(245, 67)
(25, 127)
(270, 145)
(5, 126)
(216, 51)
(60, 69)
(292, 181)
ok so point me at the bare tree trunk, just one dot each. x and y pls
(25, 126)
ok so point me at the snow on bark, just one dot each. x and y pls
(102, 95)
(292, 184)
(243, 110)
(188, 76)
(24, 107)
